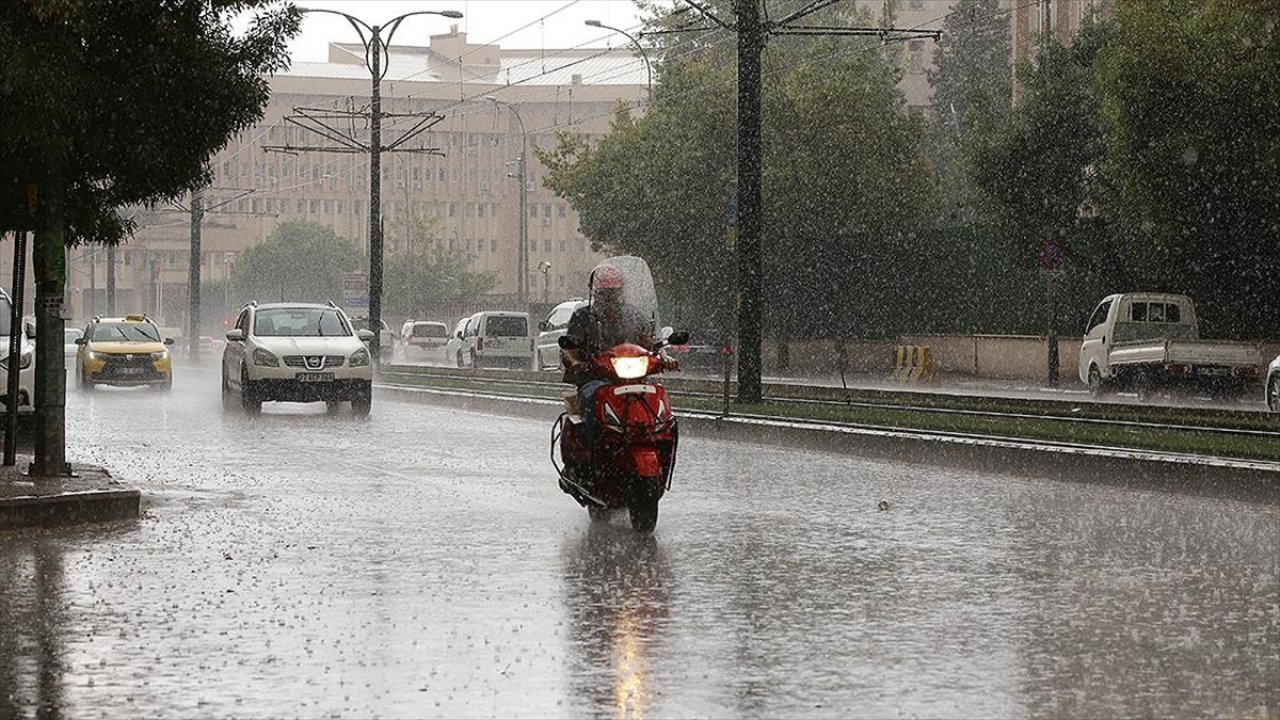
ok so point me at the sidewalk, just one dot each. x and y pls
(90, 494)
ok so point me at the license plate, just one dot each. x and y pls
(314, 377)
(131, 371)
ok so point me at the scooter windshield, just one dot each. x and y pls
(639, 298)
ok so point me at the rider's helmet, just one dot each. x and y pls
(606, 282)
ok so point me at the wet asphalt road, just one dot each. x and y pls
(423, 563)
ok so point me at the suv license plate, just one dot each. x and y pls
(314, 377)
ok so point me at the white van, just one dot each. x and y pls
(498, 339)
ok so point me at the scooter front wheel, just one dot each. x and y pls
(642, 506)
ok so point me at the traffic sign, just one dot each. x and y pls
(355, 290)
(1052, 254)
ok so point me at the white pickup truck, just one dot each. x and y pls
(1150, 342)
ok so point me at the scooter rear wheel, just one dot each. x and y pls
(599, 514)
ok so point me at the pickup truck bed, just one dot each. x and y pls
(1198, 353)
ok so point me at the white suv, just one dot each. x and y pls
(26, 357)
(296, 352)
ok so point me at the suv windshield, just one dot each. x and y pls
(299, 322)
(125, 332)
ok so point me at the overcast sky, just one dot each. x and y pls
(510, 23)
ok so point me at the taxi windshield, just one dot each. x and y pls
(125, 332)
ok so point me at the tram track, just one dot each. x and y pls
(1228, 433)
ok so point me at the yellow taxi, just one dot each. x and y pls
(127, 351)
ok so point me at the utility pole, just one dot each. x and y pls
(751, 42)
(111, 280)
(753, 32)
(522, 242)
(193, 276)
(316, 121)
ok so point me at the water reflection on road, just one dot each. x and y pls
(422, 563)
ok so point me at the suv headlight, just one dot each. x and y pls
(265, 358)
(359, 358)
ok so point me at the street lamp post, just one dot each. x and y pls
(643, 54)
(545, 267)
(374, 47)
(228, 259)
(522, 251)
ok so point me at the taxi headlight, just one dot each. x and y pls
(265, 358)
(630, 368)
(160, 355)
(359, 358)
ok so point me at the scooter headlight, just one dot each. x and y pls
(630, 368)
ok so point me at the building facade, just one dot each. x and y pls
(491, 103)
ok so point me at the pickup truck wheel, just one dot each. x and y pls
(1273, 394)
(1097, 386)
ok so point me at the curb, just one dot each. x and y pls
(90, 496)
(1253, 481)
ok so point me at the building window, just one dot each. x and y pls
(315, 207)
(453, 209)
(562, 246)
(480, 210)
(302, 206)
(546, 246)
(533, 211)
(546, 210)
(493, 245)
(328, 207)
(562, 209)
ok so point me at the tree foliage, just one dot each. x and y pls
(110, 103)
(302, 261)
(430, 276)
(1191, 99)
(1152, 143)
(843, 182)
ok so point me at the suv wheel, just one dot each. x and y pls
(460, 359)
(474, 364)
(228, 402)
(249, 399)
(362, 402)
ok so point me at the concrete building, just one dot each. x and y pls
(466, 190)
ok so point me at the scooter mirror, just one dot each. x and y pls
(678, 338)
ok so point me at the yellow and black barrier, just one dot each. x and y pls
(914, 363)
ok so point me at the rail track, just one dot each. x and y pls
(1232, 433)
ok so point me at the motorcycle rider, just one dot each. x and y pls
(601, 324)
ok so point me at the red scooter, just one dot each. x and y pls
(630, 462)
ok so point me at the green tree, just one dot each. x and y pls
(842, 185)
(1042, 172)
(1191, 96)
(108, 103)
(971, 77)
(430, 275)
(302, 261)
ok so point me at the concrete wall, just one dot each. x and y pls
(1004, 357)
